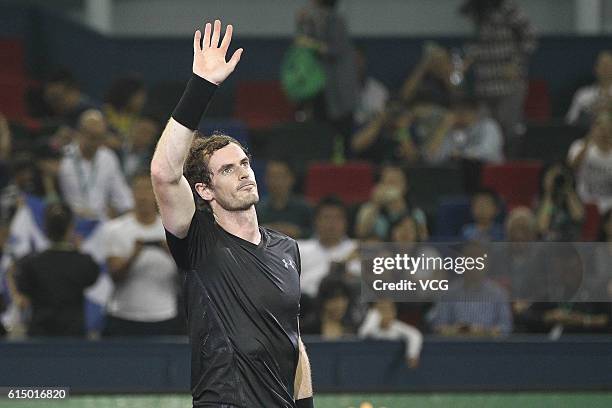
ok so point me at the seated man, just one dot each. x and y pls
(90, 176)
(485, 208)
(466, 134)
(283, 210)
(329, 244)
(474, 305)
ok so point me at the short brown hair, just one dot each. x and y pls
(196, 169)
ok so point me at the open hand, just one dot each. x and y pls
(209, 58)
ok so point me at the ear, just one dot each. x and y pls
(204, 191)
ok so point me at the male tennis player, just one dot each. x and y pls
(242, 280)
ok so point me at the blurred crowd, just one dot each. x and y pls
(83, 248)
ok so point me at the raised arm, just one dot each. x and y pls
(210, 69)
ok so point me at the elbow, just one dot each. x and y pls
(161, 175)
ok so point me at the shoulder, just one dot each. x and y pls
(108, 156)
(278, 238)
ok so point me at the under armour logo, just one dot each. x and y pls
(289, 263)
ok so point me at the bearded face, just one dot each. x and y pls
(233, 185)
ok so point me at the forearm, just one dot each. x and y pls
(412, 82)
(174, 144)
(303, 380)
(364, 138)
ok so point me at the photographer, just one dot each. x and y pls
(560, 213)
(144, 301)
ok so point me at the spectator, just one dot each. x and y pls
(590, 101)
(521, 225)
(332, 318)
(137, 152)
(381, 323)
(500, 55)
(385, 138)
(329, 244)
(55, 279)
(560, 212)
(431, 79)
(485, 209)
(373, 94)
(464, 133)
(123, 103)
(283, 210)
(64, 99)
(145, 276)
(320, 27)
(591, 160)
(517, 263)
(474, 305)
(389, 202)
(90, 176)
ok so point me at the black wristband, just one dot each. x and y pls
(194, 102)
(305, 403)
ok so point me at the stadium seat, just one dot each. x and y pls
(262, 104)
(428, 184)
(452, 214)
(590, 226)
(352, 182)
(537, 102)
(12, 60)
(12, 102)
(517, 182)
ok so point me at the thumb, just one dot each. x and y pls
(235, 58)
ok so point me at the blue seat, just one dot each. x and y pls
(452, 214)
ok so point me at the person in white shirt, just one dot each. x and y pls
(591, 160)
(330, 244)
(589, 100)
(381, 323)
(373, 94)
(90, 176)
(145, 275)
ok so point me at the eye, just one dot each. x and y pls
(246, 164)
(226, 171)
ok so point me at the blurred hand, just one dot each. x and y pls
(209, 58)
(412, 362)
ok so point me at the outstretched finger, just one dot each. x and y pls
(227, 38)
(196, 41)
(206, 42)
(235, 58)
(214, 42)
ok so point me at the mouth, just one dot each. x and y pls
(246, 186)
